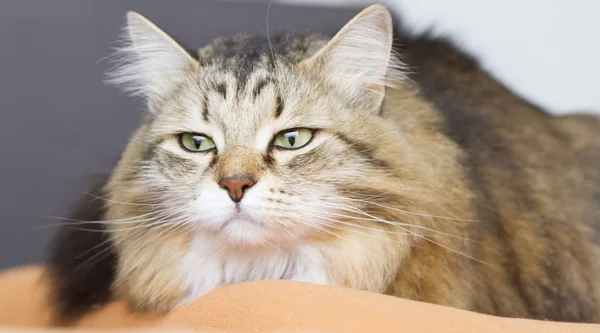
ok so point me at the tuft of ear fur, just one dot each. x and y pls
(359, 59)
(149, 64)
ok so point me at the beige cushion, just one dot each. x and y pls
(266, 306)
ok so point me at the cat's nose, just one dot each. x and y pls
(236, 186)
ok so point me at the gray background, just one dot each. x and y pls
(59, 125)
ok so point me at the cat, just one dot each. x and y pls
(330, 161)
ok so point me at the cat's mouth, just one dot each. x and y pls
(240, 229)
(247, 226)
(239, 216)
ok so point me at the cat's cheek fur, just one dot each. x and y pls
(148, 276)
(365, 259)
(209, 263)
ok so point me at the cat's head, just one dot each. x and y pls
(259, 141)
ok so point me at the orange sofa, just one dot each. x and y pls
(264, 306)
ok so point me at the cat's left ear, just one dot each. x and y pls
(358, 60)
(151, 64)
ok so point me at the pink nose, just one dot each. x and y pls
(236, 186)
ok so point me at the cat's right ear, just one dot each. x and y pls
(150, 64)
(359, 59)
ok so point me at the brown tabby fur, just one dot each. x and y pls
(536, 178)
(499, 201)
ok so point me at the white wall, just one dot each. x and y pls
(546, 50)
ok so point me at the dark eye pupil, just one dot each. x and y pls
(291, 136)
(197, 141)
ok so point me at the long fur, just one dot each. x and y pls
(147, 61)
(444, 187)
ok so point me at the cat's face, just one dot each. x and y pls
(266, 151)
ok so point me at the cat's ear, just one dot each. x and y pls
(150, 64)
(359, 59)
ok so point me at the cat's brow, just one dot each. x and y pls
(278, 105)
(278, 100)
(220, 89)
(259, 86)
(205, 108)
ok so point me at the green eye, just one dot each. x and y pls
(196, 142)
(293, 139)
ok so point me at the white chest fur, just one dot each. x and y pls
(208, 265)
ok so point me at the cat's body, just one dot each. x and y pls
(536, 181)
(450, 190)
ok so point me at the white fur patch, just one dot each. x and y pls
(209, 264)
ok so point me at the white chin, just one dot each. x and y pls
(241, 232)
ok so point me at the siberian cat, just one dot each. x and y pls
(330, 161)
